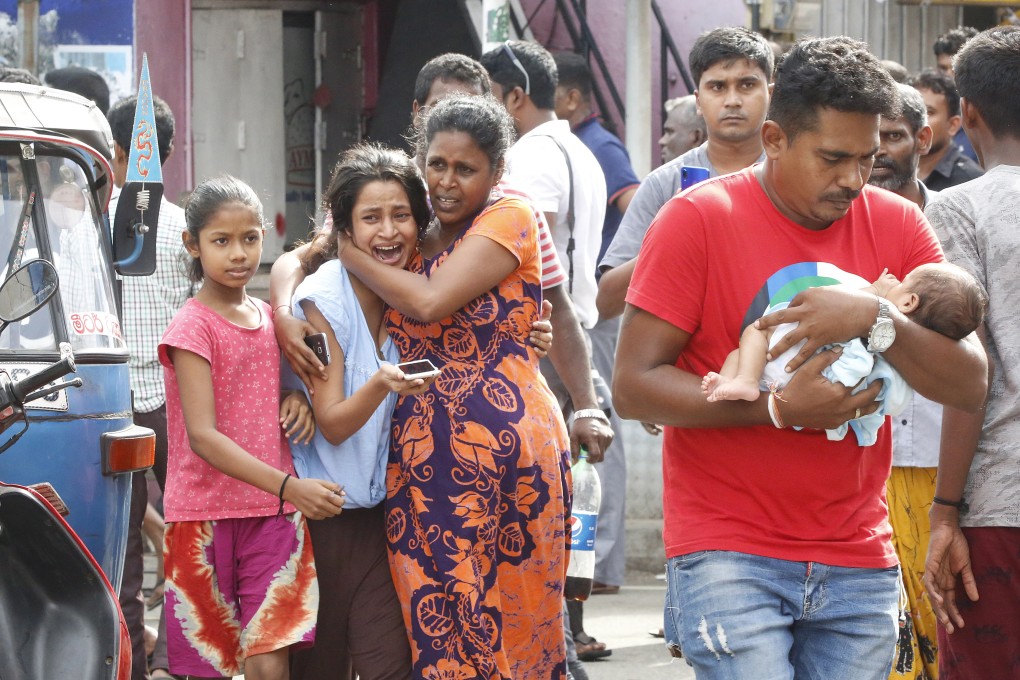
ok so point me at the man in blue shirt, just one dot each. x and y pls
(573, 104)
(946, 47)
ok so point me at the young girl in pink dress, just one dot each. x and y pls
(241, 586)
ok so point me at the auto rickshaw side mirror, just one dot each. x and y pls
(134, 228)
(27, 289)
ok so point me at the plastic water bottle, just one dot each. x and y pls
(583, 520)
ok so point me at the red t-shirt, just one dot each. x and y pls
(713, 258)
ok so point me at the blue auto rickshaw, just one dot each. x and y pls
(55, 185)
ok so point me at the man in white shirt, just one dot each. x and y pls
(564, 180)
(538, 164)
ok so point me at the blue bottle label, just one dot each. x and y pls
(582, 530)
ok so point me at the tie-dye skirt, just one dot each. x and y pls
(236, 588)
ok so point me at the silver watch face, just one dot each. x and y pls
(882, 335)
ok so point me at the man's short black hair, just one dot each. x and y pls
(450, 66)
(939, 82)
(537, 62)
(728, 44)
(986, 75)
(88, 84)
(122, 122)
(952, 40)
(836, 73)
(573, 72)
(913, 110)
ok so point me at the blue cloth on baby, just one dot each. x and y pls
(854, 364)
(358, 463)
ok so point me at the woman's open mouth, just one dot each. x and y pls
(392, 254)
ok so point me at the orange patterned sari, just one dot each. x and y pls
(478, 480)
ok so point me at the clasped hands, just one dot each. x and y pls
(824, 316)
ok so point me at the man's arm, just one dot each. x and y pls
(613, 290)
(648, 386)
(570, 357)
(951, 372)
(622, 201)
(948, 552)
(618, 263)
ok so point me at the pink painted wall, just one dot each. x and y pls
(163, 30)
(608, 22)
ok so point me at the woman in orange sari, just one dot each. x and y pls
(478, 480)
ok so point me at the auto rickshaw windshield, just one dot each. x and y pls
(47, 211)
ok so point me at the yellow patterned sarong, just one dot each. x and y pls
(909, 491)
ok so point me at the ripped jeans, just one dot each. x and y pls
(738, 616)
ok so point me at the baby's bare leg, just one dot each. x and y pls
(742, 383)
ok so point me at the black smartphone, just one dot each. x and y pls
(418, 369)
(317, 342)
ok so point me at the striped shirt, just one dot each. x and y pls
(553, 273)
(150, 302)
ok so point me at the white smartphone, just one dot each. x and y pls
(418, 369)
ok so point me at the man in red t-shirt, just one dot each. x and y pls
(780, 561)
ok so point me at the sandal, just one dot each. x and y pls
(590, 649)
(155, 597)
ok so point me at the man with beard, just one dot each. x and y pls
(903, 141)
(733, 68)
(911, 485)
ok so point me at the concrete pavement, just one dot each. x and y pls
(623, 622)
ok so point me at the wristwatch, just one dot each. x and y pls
(883, 333)
(596, 413)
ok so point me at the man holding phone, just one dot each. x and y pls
(733, 69)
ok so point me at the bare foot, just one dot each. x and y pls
(720, 388)
(709, 382)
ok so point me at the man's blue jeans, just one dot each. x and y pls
(739, 616)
